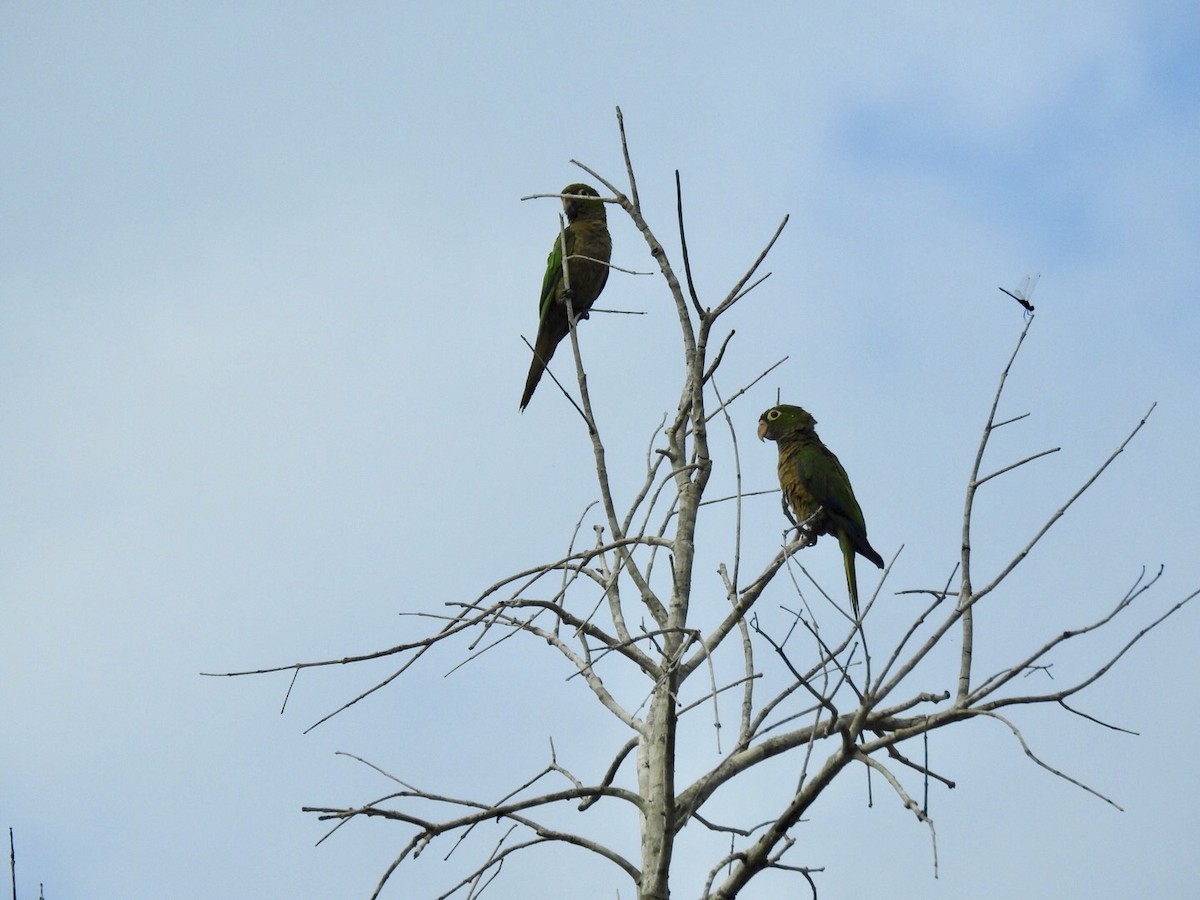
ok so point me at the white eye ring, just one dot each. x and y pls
(773, 415)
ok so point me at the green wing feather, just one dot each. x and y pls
(553, 277)
(822, 475)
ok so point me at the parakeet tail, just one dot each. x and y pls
(851, 574)
(541, 356)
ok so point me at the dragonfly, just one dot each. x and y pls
(1025, 291)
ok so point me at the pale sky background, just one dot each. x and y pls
(263, 272)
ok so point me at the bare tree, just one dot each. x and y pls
(827, 702)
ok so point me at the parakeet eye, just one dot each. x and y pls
(773, 414)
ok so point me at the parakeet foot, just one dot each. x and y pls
(580, 315)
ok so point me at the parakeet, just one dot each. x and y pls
(812, 479)
(586, 236)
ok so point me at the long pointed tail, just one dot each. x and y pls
(541, 356)
(851, 573)
(531, 381)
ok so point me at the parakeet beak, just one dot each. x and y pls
(762, 428)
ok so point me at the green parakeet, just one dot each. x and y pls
(586, 236)
(812, 479)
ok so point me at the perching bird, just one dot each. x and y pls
(586, 236)
(812, 479)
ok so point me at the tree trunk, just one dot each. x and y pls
(656, 782)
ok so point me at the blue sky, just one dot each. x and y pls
(263, 272)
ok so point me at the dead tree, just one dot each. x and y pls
(829, 704)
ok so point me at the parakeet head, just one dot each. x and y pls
(784, 420)
(592, 209)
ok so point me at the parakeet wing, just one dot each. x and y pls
(823, 477)
(553, 277)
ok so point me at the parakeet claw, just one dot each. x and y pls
(787, 510)
(806, 535)
(580, 314)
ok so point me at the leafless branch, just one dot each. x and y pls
(1062, 509)
(1049, 768)
(909, 804)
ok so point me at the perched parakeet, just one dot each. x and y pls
(586, 236)
(812, 479)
